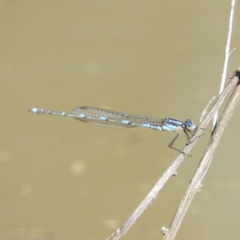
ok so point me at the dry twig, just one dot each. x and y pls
(118, 234)
(204, 164)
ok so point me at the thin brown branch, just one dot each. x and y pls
(118, 234)
(204, 164)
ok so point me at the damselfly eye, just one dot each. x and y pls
(189, 125)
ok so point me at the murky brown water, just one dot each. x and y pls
(63, 179)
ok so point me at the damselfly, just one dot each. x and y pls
(108, 118)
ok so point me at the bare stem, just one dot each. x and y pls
(118, 234)
(227, 53)
(204, 164)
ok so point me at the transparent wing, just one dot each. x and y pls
(108, 118)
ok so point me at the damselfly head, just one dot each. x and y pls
(189, 125)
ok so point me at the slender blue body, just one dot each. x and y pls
(108, 118)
